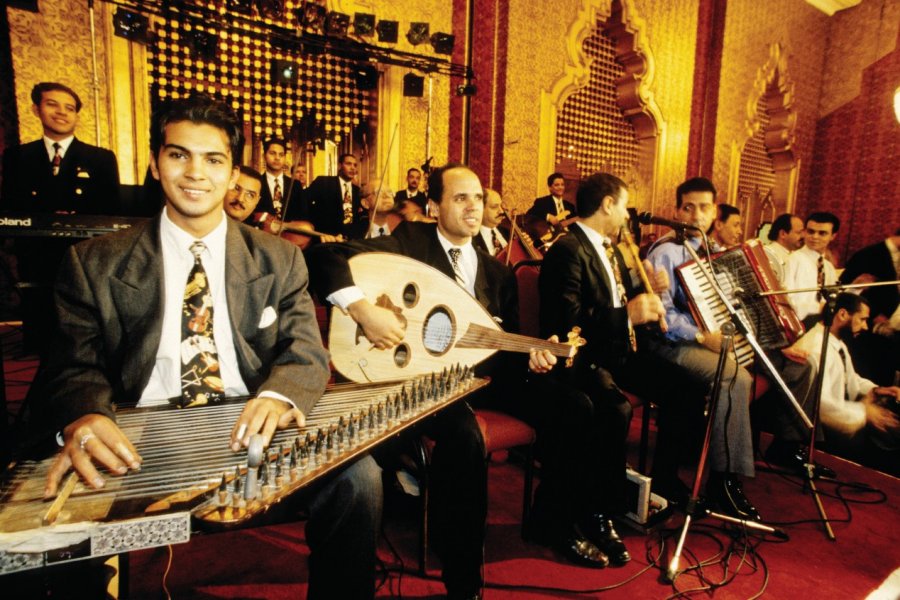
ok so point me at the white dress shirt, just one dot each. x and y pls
(846, 416)
(270, 181)
(778, 257)
(801, 272)
(165, 381)
(597, 240)
(63, 146)
(489, 242)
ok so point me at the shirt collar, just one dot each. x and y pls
(64, 145)
(170, 233)
(596, 238)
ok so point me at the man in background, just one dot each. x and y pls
(279, 196)
(553, 207)
(490, 238)
(809, 268)
(332, 203)
(242, 199)
(728, 228)
(412, 191)
(785, 238)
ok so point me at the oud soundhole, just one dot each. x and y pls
(438, 331)
(401, 355)
(410, 295)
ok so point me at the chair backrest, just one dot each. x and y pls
(527, 272)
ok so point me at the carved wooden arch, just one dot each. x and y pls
(628, 31)
(775, 88)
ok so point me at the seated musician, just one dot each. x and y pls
(280, 195)
(242, 199)
(731, 449)
(728, 228)
(553, 207)
(124, 337)
(854, 411)
(458, 475)
(412, 193)
(490, 238)
(583, 282)
(378, 199)
(785, 237)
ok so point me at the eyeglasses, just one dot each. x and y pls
(250, 194)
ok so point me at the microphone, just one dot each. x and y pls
(646, 218)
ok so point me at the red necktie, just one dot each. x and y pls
(57, 158)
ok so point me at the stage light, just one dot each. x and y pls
(312, 15)
(244, 7)
(284, 72)
(442, 42)
(131, 26)
(413, 85)
(271, 9)
(388, 31)
(203, 44)
(336, 24)
(465, 90)
(364, 24)
(418, 33)
(366, 77)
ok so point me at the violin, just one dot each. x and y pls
(200, 321)
(299, 233)
(520, 246)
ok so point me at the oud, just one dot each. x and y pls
(444, 324)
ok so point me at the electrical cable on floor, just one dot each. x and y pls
(165, 586)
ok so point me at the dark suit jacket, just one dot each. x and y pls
(420, 198)
(545, 205)
(323, 205)
(575, 291)
(109, 301)
(295, 201)
(88, 180)
(875, 260)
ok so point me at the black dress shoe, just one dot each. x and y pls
(599, 529)
(726, 491)
(580, 551)
(793, 458)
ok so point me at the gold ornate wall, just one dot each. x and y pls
(801, 32)
(55, 45)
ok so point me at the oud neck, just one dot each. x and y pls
(479, 336)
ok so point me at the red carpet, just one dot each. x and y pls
(270, 562)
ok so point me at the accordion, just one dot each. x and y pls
(771, 318)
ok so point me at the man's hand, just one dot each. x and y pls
(264, 416)
(659, 278)
(552, 219)
(542, 361)
(713, 341)
(892, 391)
(795, 354)
(646, 308)
(381, 326)
(93, 437)
(330, 239)
(880, 417)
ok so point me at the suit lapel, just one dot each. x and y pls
(594, 262)
(247, 290)
(137, 298)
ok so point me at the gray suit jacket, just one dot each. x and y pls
(110, 306)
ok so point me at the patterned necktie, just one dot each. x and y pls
(620, 288)
(496, 242)
(843, 356)
(455, 254)
(277, 196)
(348, 203)
(57, 158)
(201, 381)
(820, 275)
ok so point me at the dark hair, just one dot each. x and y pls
(594, 189)
(726, 211)
(436, 180)
(250, 172)
(199, 109)
(37, 92)
(272, 141)
(694, 184)
(825, 217)
(553, 177)
(781, 223)
(411, 169)
(343, 156)
(852, 303)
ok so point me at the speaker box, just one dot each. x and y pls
(413, 85)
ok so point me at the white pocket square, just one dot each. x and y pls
(267, 318)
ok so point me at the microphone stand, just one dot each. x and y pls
(693, 505)
(830, 293)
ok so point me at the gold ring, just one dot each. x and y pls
(84, 440)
